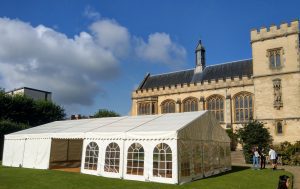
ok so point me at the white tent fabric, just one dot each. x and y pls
(196, 135)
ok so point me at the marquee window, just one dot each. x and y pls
(216, 105)
(243, 107)
(275, 58)
(112, 158)
(190, 105)
(162, 161)
(91, 156)
(135, 159)
(168, 106)
(185, 165)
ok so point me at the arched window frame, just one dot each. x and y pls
(91, 156)
(243, 106)
(135, 159)
(162, 161)
(112, 158)
(190, 104)
(215, 104)
(168, 106)
(146, 108)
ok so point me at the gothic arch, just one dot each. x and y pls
(168, 106)
(190, 104)
(215, 103)
(243, 103)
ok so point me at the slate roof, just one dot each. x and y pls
(219, 71)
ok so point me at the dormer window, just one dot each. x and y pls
(275, 58)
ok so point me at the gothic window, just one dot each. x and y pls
(135, 159)
(277, 93)
(279, 129)
(91, 156)
(146, 108)
(190, 105)
(162, 161)
(275, 59)
(216, 105)
(168, 106)
(243, 104)
(112, 158)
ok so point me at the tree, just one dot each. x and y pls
(253, 134)
(22, 109)
(105, 113)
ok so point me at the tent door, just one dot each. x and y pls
(66, 154)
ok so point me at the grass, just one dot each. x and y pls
(238, 177)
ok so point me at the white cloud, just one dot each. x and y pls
(73, 68)
(90, 13)
(160, 49)
(112, 36)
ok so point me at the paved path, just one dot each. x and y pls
(236, 159)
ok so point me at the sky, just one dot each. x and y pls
(92, 54)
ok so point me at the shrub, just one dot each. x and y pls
(233, 139)
(253, 134)
(290, 153)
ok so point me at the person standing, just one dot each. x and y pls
(273, 157)
(255, 158)
(262, 158)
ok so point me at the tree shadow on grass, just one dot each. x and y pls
(233, 170)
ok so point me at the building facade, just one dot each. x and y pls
(265, 88)
(35, 94)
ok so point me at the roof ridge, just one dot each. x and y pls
(172, 72)
(229, 62)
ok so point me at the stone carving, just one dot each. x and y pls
(277, 94)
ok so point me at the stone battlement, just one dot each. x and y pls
(192, 87)
(273, 31)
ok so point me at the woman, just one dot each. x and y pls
(283, 182)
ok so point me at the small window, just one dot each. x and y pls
(112, 158)
(275, 58)
(279, 128)
(91, 156)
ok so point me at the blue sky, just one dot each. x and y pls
(92, 54)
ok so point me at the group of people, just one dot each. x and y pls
(259, 158)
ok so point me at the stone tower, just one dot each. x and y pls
(276, 76)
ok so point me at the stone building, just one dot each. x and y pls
(265, 88)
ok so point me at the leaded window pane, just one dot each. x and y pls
(91, 156)
(112, 158)
(162, 161)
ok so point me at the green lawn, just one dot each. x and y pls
(239, 177)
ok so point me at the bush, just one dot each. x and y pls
(105, 113)
(253, 134)
(233, 139)
(290, 153)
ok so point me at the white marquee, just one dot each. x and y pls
(169, 148)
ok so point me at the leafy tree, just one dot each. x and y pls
(105, 113)
(46, 111)
(254, 134)
(21, 109)
(233, 139)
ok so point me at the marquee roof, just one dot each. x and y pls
(164, 126)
